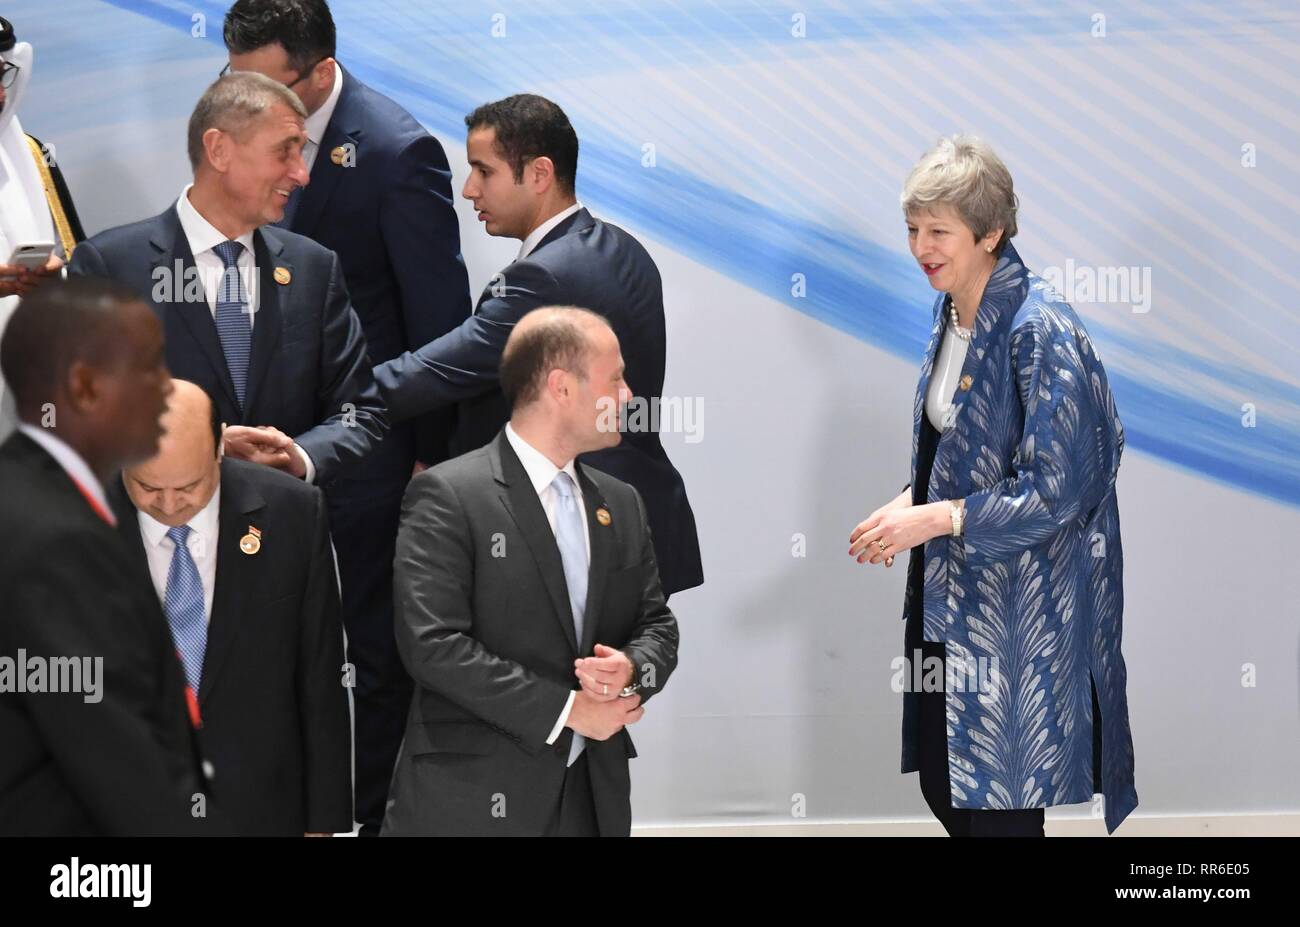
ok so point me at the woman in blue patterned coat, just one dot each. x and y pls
(1014, 596)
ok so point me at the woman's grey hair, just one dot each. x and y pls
(232, 103)
(965, 173)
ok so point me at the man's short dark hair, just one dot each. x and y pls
(562, 341)
(304, 27)
(60, 323)
(528, 126)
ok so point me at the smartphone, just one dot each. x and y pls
(33, 254)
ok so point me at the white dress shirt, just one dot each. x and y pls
(72, 463)
(945, 376)
(319, 121)
(203, 237)
(202, 545)
(536, 235)
(541, 473)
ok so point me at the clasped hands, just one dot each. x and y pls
(599, 712)
(264, 445)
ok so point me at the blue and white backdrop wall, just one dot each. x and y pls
(758, 150)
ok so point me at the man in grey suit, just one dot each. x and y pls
(529, 608)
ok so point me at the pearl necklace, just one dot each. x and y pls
(965, 334)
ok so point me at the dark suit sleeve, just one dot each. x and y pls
(422, 239)
(87, 261)
(433, 580)
(353, 419)
(464, 362)
(653, 646)
(109, 752)
(322, 700)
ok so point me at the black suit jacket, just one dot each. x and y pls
(275, 713)
(127, 764)
(485, 627)
(581, 262)
(387, 211)
(308, 374)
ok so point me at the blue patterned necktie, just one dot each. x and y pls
(184, 606)
(569, 537)
(234, 319)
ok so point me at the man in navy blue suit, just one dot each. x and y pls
(257, 316)
(380, 197)
(523, 156)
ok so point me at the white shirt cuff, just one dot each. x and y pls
(564, 718)
(310, 475)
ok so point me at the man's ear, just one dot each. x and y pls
(542, 173)
(216, 149)
(82, 386)
(322, 76)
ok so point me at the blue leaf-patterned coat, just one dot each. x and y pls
(1034, 584)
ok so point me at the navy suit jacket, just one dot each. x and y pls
(387, 212)
(309, 374)
(581, 262)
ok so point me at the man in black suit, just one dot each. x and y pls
(252, 602)
(85, 361)
(257, 316)
(380, 198)
(529, 608)
(523, 155)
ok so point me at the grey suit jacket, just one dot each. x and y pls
(485, 628)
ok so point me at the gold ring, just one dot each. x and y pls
(880, 542)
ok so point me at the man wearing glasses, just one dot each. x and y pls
(380, 197)
(35, 207)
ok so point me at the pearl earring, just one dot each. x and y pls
(989, 250)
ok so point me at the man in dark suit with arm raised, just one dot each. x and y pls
(523, 156)
(529, 608)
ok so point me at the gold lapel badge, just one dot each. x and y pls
(251, 543)
(282, 276)
(965, 382)
(339, 155)
(602, 516)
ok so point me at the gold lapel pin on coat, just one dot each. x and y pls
(602, 516)
(282, 276)
(965, 382)
(338, 155)
(251, 543)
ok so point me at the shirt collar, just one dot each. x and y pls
(203, 525)
(72, 463)
(536, 235)
(199, 232)
(541, 472)
(318, 121)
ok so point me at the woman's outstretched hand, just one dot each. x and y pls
(902, 501)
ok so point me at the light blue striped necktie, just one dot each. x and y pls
(571, 540)
(234, 318)
(183, 603)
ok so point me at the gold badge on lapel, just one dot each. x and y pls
(251, 543)
(965, 382)
(602, 516)
(339, 155)
(282, 276)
